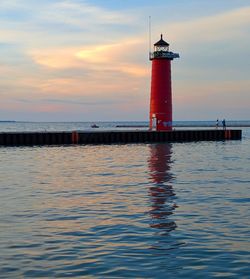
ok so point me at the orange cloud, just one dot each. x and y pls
(103, 57)
(56, 58)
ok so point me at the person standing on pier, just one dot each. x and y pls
(224, 124)
(217, 124)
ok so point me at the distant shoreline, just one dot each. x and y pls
(144, 124)
(182, 125)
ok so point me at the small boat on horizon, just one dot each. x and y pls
(94, 126)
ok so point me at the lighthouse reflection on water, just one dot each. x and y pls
(161, 193)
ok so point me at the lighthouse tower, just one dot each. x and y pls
(161, 95)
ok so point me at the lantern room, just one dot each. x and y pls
(161, 45)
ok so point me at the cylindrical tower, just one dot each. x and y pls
(161, 93)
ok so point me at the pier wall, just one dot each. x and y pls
(111, 137)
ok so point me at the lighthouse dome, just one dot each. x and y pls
(161, 43)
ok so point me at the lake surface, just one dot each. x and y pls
(177, 210)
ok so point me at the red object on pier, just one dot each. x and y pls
(161, 92)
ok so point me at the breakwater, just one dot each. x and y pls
(111, 137)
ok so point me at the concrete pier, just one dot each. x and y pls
(112, 137)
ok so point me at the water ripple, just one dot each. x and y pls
(125, 211)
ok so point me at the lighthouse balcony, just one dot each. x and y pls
(163, 55)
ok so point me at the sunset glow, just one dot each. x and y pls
(67, 58)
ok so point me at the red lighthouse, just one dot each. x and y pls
(161, 95)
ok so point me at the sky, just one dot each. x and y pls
(87, 60)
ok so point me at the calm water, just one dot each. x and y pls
(176, 210)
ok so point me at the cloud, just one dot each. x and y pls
(213, 48)
(54, 23)
(111, 57)
(229, 26)
(207, 100)
(74, 55)
(80, 13)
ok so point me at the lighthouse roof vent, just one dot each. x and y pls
(161, 42)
